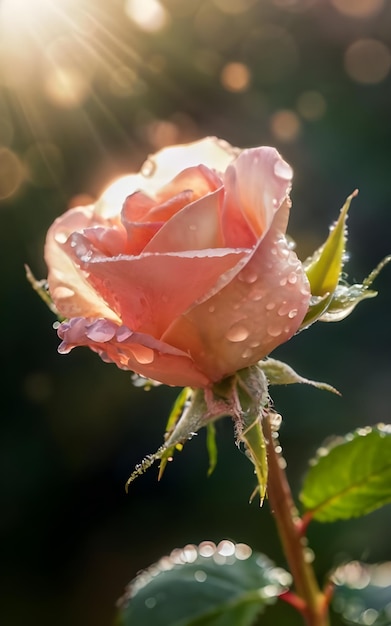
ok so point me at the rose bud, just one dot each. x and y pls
(189, 276)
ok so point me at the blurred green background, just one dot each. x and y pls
(88, 88)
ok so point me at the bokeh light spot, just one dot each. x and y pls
(358, 8)
(149, 15)
(66, 87)
(367, 61)
(311, 105)
(11, 173)
(235, 77)
(285, 125)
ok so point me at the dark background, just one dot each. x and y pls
(85, 94)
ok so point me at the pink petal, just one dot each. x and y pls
(68, 288)
(261, 308)
(132, 351)
(256, 185)
(150, 291)
(200, 180)
(196, 227)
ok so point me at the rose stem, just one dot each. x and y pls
(315, 604)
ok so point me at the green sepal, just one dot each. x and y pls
(362, 593)
(211, 446)
(251, 388)
(350, 476)
(172, 421)
(41, 287)
(279, 373)
(346, 297)
(209, 585)
(324, 267)
(198, 408)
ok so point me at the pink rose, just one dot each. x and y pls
(182, 273)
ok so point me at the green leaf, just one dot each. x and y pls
(350, 477)
(279, 373)
(363, 593)
(208, 585)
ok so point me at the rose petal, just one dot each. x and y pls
(131, 351)
(148, 292)
(258, 310)
(196, 227)
(256, 185)
(70, 292)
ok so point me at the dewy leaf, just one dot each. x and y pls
(351, 477)
(363, 592)
(279, 373)
(208, 585)
(324, 268)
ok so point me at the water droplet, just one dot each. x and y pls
(73, 243)
(85, 258)
(292, 313)
(292, 278)
(283, 282)
(283, 170)
(143, 355)
(274, 251)
(237, 332)
(63, 292)
(270, 306)
(148, 168)
(247, 276)
(274, 331)
(255, 344)
(61, 237)
(192, 227)
(236, 306)
(200, 576)
(150, 603)
(211, 308)
(247, 353)
(257, 294)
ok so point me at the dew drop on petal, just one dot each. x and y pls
(143, 355)
(257, 294)
(60, 237)
(237, 333)
(274, 331)
(211, 308)
(283, 170)
(192, 227)
(248, 277)
(63, 292)
(255, 344)
(148, 168)
(292, 278)
(292, 313)
(270, 306)
(247, 353)
(283, 282)
(284, 309)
